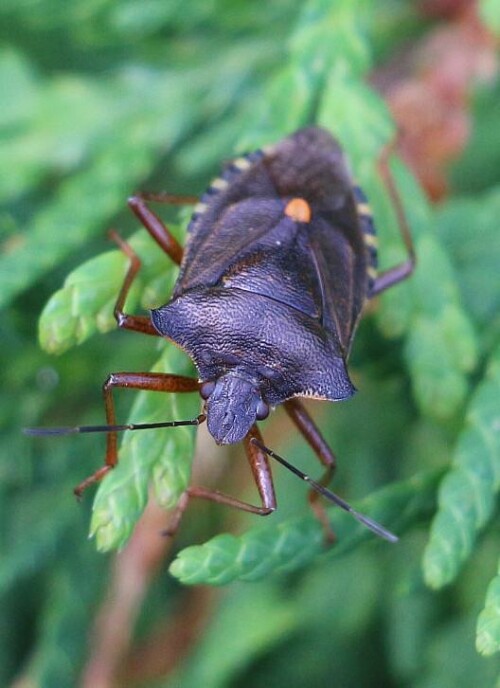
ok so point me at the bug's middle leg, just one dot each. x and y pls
(318, 444)
(261, 470)
(153, 382)
(136, 323)
(138, 204)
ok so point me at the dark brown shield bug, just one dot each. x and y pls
(279, 262)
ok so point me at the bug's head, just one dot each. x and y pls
(233, 404)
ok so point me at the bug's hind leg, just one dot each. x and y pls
(259, 463)
(399, 272)
(316, 441)
(154, 382)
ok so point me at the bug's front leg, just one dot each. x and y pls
(318, 444)
(153, 382)
(259, 463)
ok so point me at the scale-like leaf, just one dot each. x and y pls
(488, 623)
(293, 544)
(440, 352)
(121, 154)
(85, 303)
(326, 34)
(311, 45)
(61, 637)
(468, 492)
(160, 459)
(139, 95)
(441, 345)
(490, 13)
(34, 533)
(475, 254)
(97, 193)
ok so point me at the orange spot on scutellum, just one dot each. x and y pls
(299, 210)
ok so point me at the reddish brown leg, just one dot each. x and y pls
(166, 241)
(156, 228)
(400, 272)
(259, 463)
(136, 323)
(316, 441)
(168, 198)
(154, 382)
(311, 433)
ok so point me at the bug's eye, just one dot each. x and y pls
(206, 389)
(262, 410)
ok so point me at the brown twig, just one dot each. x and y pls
(131, 575)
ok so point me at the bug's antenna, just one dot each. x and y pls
(69, 430)
(331, 496)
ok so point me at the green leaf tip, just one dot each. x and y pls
(467, 494)
(291, 545)
(489, 11)
(249, 557)
(488, 624)
(85, 303)
(157, 459)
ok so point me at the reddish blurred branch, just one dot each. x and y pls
(112, 661)
(170, 642)
(109, 664)
(428, 88)
(130, 577)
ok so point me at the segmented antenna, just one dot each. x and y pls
(69, 430)
(375, 527)
(331, 496)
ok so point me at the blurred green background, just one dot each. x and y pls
(100, 99)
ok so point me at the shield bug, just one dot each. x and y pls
(279, 262)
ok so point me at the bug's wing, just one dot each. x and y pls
(244, 208)
(237, 209)
(340, 257)
(310, 165)
(248, 201)
(221, 236)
